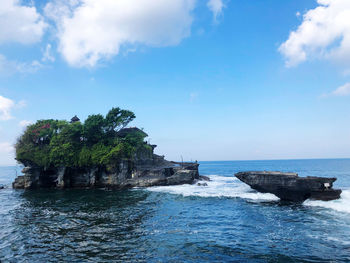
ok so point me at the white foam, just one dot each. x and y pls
(219, 186)
(340, 205)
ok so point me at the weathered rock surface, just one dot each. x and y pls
(154, 171)
(204, 178)
(291, 187)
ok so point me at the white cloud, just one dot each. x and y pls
(324, 33)
(20, 23)
(28, 67)
(6, 106)
(25, 123)
(6, 147)
(216, 7)
(342, 91)
(90, 31)
(47, 56)
(339, 92)
(8, 67)
(58, 9)
(6, 153)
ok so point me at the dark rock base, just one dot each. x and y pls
(291, 187)
(125, 175)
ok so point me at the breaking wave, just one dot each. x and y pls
(340, 205)
(231, 187)
(219, 186)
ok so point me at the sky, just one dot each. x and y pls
(207, 79)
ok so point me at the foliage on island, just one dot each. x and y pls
(99, 141)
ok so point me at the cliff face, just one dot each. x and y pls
(142, 172)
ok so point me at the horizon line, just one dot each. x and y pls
(242, 160)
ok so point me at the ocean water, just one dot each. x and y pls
(223, 222)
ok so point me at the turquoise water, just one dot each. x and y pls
(224, 222)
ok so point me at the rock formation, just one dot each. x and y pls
(291, 187)
(151, 172)
(76, 159)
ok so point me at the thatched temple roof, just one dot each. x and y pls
(74, 119)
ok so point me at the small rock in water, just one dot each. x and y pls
(204, 178)
(202, 184)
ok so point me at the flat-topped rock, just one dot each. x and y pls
(291, 187)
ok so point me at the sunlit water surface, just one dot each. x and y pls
(223, 222)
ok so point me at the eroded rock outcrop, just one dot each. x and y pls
(291, 187)
(101, 152)
(153, 171)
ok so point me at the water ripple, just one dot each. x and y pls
(224, 222)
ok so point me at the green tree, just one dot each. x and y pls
(98, 152)
(117, 119)
(93, 129)
(85, 157)
(63, 155)
(96, 142)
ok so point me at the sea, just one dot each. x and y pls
(225, 221)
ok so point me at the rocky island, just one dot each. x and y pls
(99, 153)
(291, 187)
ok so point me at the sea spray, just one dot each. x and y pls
(340, 205)
(219, 186)
(231, 187)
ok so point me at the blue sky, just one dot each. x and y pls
(207, 80)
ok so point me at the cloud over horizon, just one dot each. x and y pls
(92, 31)
(20, 23)
(7, 153)
(324, 33)
(6, 105)
(25, 123)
